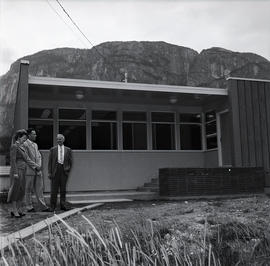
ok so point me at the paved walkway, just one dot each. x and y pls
(5, 241)
(10, 224)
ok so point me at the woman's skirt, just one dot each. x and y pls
(17, 187)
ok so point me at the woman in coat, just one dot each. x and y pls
(18, 161)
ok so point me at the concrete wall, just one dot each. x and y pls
(116, 170)
(211, 158)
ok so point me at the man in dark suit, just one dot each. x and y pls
(59, 165)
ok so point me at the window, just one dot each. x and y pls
(211, 130)
(163, 131)
(190, 131)
(72, 124)
(134, 131)
(104, 130)
(41, 119)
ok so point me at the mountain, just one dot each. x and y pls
(145, 62)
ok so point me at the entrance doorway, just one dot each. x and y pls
(224, 139)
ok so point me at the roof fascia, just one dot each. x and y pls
(124, 86)
(248, 79)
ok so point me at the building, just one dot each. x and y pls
(123, 133)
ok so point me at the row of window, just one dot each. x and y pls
(105, 127)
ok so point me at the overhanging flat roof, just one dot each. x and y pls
(124, 86)
(249, 79)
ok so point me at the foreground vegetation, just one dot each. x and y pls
(215, 240)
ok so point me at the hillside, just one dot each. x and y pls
(145, 62)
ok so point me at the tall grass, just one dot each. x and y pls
(147, 243)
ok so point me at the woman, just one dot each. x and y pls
(18, 161)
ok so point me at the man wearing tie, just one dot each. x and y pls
(34, 179)
(59, 165)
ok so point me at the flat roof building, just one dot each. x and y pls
(123, 133)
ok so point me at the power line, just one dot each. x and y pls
(73, 22)
(54, 10)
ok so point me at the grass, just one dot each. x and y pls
(227, 232)
(148, 243)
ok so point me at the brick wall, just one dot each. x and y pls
(210, 181)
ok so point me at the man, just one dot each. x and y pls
(33, 179)
(59, 165)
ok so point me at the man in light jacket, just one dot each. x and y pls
(34, 179)
(59, 166)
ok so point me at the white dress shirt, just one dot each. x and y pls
(61, 154)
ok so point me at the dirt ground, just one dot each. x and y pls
(186, 217)
(247, 209)
(189, 214)
(236, 230)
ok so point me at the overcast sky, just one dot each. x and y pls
(29, 26)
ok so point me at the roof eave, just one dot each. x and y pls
(124, 86)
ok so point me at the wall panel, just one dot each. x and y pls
(256, 124)
(250, 112)
(243, 122)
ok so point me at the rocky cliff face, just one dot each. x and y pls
(211, 67)
(145, 62)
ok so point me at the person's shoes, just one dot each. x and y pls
(31, 210)
(21, 214)
(47, 210)
(50, 210)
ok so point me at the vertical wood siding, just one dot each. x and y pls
(250, 114)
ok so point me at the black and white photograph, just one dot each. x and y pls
(134, 132)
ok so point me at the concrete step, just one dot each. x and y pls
(91, 201)
(149, 188)
(150, 185)
(154, 181)
(106, 196)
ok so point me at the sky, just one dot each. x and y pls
(29, 26)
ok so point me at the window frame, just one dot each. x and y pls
(58, 120)
(111, 128)
(133, 122)
(179, 123)
(50, 121)
(208, 136)
(175, 148)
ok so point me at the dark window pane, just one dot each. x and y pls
(211, 128)
(190, 137)
(103, 115)
(211, 142)
(75, 134)
(163, 137)
(73, 114)
(140, 136)
(127, 136)
(104, 136)
(162, 117)
(209, 116)
(134, 116)
(190, 118)
(40, 113)
(134, 136)
(44, 133)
